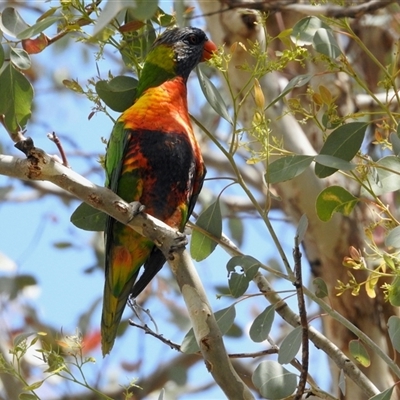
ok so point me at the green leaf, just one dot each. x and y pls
(119, 93)
(394, 331)
(304, 30)
(16, 97)
(2, 56)
(334, 162)
(225, 318)
(359, 353)
(334, 199)
(201, 246)
(384, 178)
(321, 289)
(324, 42)
(394, 292)
(238, 284)
(290, 346)
(88, 218)
(385, 395)
(189, 344)
(393, 238)
(286, 168)
(248, 264)
(11, 23)
(297, 81)
(20, 58)
(37, 28)
(274, 381)
(236, 228)
(261, 326)
(344, 143)
(394, 139)
(302, 227)
(213, 96)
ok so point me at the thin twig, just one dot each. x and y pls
(56, 140)
(298, 283)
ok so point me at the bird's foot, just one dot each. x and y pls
(135, 209)
(179, 242)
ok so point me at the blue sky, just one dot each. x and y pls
(31, 229)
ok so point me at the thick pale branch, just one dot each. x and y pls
(329, 10)
(40, 166)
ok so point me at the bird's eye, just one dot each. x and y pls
(193, 39)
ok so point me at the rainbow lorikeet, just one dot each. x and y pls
(153, 158)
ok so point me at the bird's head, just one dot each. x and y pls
(187, 46)
(175, 53)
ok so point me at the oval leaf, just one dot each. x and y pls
(119, 93)
(274, 381)
(88, 218)
(290, 346)
(394, 331)
(344, 143)
(238, 284)
(11, 23)
(334, 199)
(261, 326)
(394, 292)
(387, 180)
(393, 238)
(321, 289)
(286, 168)
(201, 246)
(248, 264)
(16, 97)
(334, 162)
(325, 43)
(213, 96)
(304, 30)
(302, 227)
(20, 58)
(359, 352)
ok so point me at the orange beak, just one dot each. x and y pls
(209, 49)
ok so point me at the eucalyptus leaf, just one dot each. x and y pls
(334, 199)
(325, 43)
(395, 140)
(304, 30)
(297, 81)
(274, 381)
(261, 326)
(286, 168)
(344, 143)
(290, 346)
(20, 58)
(119, 93)
(359, 353)
(393, 238)
(201, 246)
(302, 227)
(394, 331)
(11, 23)
(89, 218)
(16, 97)
(387, 180)
(213, 96)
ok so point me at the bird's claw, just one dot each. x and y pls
(179, 242)
(135, 209)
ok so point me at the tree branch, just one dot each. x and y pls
(329, 10)
(40, 166)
